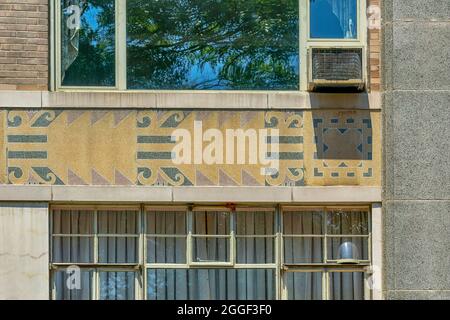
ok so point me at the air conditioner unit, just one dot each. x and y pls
(336, 68)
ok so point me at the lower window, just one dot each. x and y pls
(210, 253)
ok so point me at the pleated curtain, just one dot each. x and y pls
(215, 283)
(76, 245)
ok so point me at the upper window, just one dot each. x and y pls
(212, 44)
(193, 44)
(88, 43)
(333, 19)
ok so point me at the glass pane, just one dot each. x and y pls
(303, 250)
(213, 44)
(87, 43)
(211, 284)
(347, 286)
(213, 223)
(348, 248)
(71, 284)
(304, 285)
(333, 19)
(166, 250)
(73, 250)
(348, 222)
(255, 250)
(117, 250)
(166, 222)
(303, 223)
(73, 222)
(117, 285)
(117, 222)
(255, 223)
(211, 249)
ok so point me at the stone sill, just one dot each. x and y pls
(134, 194)
(258, 100)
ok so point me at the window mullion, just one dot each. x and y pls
(325, 285)
(142, 249)
(278, 274)
(325, 238)
(303, 36)
(96, 282)
(95, 236)
(233, 237)
(121, 44)
(189, 237)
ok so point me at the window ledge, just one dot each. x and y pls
(167, 195)
(257, 100)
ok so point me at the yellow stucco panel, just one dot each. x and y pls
(342, 148)
(184, 148)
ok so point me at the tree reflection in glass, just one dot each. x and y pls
(88, 45)
(213, 44)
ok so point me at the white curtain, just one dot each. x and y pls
(308, 285)
(211, 284)
(204, 283)
(68, 248)
(70, 37)
(73, 249)
(211, 248)
(348, 223)
(307, 250)
(347, 286)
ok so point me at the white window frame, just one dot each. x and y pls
(305, 43)
(328, 266)
(96, 267)
(280, 269)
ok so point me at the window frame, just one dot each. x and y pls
(359, 27)
(325, 211)
(305, 43)
(96, 267)
(141, 267)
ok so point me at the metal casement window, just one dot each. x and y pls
(305, 43)
(95, 265)
(325, 265)
(170, 232)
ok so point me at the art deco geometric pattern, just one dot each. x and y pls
(131, 147)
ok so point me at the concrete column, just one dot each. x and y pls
(24, 251)
(416, 107)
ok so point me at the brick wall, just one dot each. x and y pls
(374, 37)
(24, 44)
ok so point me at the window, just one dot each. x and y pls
(88, 43)
(195, 45)
(95, 253)
(176, 252)
(210, 44)
(325, 251)
(333, 19)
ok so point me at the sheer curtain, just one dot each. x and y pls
(308, 249)
(73, 242)
(348, 285)
(70, 35)
(212, 283)
(117, 244)
(300, 250)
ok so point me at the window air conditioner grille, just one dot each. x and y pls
(337, 64)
